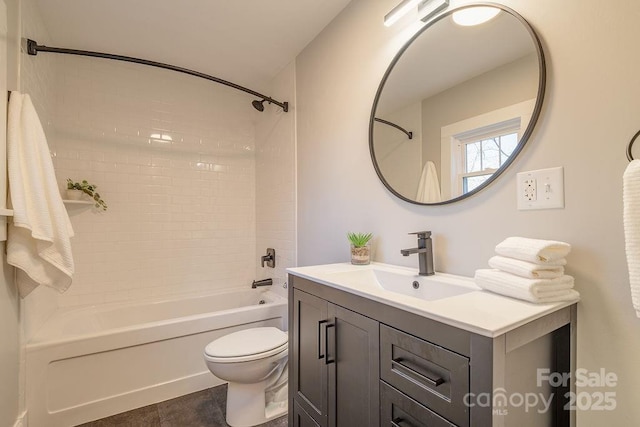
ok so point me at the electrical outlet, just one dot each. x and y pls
(530, 191)
(541, 189)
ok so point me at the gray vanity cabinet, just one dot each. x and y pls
(308, 370)
(334, 365)
(357, 362)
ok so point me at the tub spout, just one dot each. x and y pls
(263, 282)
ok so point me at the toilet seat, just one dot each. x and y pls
(247, 345)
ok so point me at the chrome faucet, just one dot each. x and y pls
(424, 251)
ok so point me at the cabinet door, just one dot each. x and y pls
(301, 418)
(352, 354)
(308, 353)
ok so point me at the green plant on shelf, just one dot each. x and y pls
(89, 189)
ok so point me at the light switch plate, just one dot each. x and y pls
(541, 189)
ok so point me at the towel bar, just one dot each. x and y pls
(6, 212)
(629, 154)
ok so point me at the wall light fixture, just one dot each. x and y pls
(430, 8)
(426, 9)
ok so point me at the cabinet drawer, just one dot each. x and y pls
(399, 410)
(435, 377)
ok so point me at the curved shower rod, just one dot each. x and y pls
(400, 128)
(33, 48)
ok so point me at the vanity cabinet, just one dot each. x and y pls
(355, 361)
(334, 364)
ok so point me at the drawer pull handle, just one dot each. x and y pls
(328, 361)
(399, 422)
(414, 369)
(321, 351)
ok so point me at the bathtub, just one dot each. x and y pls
(89, 363)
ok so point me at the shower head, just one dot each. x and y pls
(258, 105)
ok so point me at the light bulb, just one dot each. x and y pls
(475, 15)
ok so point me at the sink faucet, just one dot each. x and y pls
(424, 251)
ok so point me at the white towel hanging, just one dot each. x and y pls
(38, 244)
(429, 185)
(631, 216)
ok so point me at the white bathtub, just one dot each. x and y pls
(93, 362)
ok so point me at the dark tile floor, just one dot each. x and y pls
(204, 408)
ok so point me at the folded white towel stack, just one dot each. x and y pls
(529, 269)
(533, 250)
(533, 290)
(631, 218)
(38, 242)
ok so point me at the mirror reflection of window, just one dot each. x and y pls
(474, 148)
(483, 157)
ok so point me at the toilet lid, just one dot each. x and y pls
(247, 342)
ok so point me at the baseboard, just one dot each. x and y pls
(21, 421)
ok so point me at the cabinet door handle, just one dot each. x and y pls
(399, 422)
(328, 361)
(413, 369)
(321, 351)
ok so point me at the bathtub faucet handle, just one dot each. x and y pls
(269, 258)
(263, 282)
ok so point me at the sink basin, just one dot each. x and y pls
(406, 282)
(428, 288)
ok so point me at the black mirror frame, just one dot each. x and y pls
(542, 79)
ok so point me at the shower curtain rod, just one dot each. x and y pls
(400, 128)
(33, 48)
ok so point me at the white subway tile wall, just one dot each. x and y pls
(275, 182)
(38, 78)
(174, 158)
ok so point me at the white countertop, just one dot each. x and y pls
(478, 311)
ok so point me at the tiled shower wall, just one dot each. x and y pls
(275, 181)
(174, 158)
(37, 78)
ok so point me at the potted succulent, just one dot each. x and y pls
(360, 248)
(75, 191)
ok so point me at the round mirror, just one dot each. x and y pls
(457, 104)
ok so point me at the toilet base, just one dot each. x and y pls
(248, 404)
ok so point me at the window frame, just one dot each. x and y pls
(475, 127)
(460, 141)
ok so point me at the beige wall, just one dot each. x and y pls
(9, 303)
(592, 108)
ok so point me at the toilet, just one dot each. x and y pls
(254, 362)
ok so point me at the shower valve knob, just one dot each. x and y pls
(269, 258)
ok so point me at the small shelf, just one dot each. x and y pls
(76, 207)
(77, 202)
(70, 203)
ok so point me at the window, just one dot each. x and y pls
(471, 150)
(482, 157)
